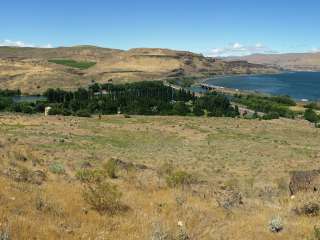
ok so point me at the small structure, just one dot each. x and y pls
(46, 111)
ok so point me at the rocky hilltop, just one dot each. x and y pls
(290, 61)
(30, 69)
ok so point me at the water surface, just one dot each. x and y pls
(28, 98)
(298, 85)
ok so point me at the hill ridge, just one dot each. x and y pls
(30, 70)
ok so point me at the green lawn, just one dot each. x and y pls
(72, 63)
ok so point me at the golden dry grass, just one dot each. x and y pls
(250, 157)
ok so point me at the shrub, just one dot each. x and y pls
(5, 103)
(111, 168)
(265, 104)
(27, 108)
(310, 209)
(236, 110)
(270, 116)
(4, 234)
(103, 197)
(83, 113)
(285, 100)
(307, 204)
(90, 175)
(182, 234)
(42, 204)
(23, 174)
(165, 170)
(313, 105)
(66, 112)
(56, 110)
(159, 233)
(198, 111)
(311, 116)
(180, 108)
(316, 231)
(179, 178)
(57, 168)
(276, 224)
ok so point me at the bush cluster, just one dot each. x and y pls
(86, 175)
(57, 168)
(311, 116)
(180, 178)
(273, 106)
(103, 197)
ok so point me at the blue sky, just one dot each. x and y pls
(211, 27)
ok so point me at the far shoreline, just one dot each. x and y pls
(232, 91)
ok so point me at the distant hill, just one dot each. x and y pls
(33, 70)
(290, 61)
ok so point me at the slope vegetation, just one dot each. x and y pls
(220, 178)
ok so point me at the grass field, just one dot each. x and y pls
(227, 158)
(72, 63)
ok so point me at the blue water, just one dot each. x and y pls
(298, 85)
(28, 98)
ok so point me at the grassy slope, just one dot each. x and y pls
(72, 63)
(253, 157)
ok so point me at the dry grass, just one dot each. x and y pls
(228, 157)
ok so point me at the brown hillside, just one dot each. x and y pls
(29, 69)
(291, 61)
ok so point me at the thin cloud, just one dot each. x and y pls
(10, 43)
(238, 49)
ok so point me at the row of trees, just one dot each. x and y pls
(141, 98)
(9, 93)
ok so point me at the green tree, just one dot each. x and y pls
(180, 108)
(197, 110)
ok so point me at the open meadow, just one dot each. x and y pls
(155, 178)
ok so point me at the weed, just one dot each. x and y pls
(179, 178)
(159, 233)
(45, 206)
(111, 167)
(316, 231)
(4, 234)
(276, 224)
(90, 175)
(57, 168)
(104, 198)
